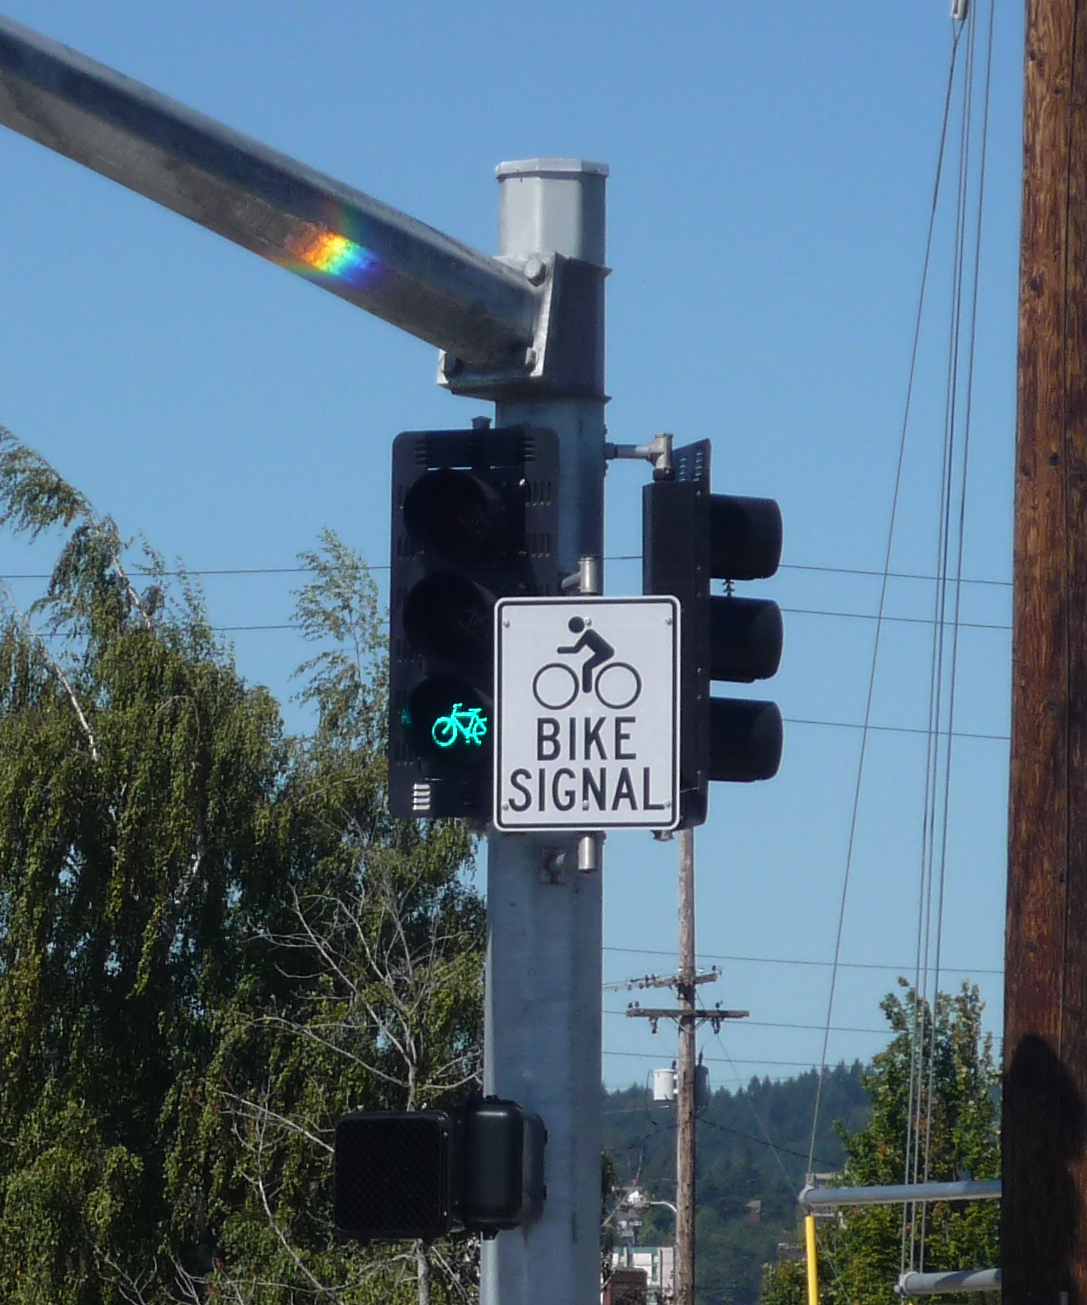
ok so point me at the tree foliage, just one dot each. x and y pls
(213, 939)
(950, 1120)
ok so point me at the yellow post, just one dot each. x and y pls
(813, 1263)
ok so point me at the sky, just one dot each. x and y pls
(772, 171)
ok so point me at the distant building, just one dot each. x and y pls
(658, 1263)
(626, 1287)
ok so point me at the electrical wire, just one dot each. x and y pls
(621, 1150)
(764, 1024)
(890, 729)
(962, 356)
(934, 754)
(758, 1117)
(617, 557)
(787, 960)
(759, 1141)
(716, 1060)
(885, 576)
(900, 620)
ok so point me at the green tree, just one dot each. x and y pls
(213, 940)
(949, 1120)
(135, 772)
(363, 990)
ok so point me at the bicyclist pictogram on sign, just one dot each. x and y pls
(586, 713)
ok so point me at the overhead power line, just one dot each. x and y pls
(900, 620)
(764, 1141)
(619, 557)
(786, 960)
(765, 1024)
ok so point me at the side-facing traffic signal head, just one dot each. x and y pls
(690, 537)
(474, 517)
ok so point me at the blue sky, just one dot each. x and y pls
(772, 170)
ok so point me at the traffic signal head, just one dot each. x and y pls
(423, 1174)
(474, 517)
(690, 537)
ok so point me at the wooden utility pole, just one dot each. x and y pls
(1044, 1226)
(686, 991)
(688, 1015)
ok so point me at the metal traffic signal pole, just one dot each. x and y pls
(543, 1021)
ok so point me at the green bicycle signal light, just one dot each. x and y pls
(466, 725)
(448, 721)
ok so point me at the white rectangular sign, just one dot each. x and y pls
(587, 711)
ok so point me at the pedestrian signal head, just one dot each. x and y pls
(423, 1174)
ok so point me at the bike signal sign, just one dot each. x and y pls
(586, 707)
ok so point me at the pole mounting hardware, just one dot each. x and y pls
(587, 580)
(564, 356)
(658, 451)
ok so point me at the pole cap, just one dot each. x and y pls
(551, 168)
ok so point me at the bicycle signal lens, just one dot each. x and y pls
(461, 724)
(450, 722)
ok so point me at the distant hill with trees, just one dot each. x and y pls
(935, 1093)
(752, 1147)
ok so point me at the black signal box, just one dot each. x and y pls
(691, 536)
(474, 519)
(395, 1175)
(426, 1173)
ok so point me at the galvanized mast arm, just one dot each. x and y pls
(463, 301)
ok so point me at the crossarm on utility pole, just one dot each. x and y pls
(682, 1012)
(401, 270)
